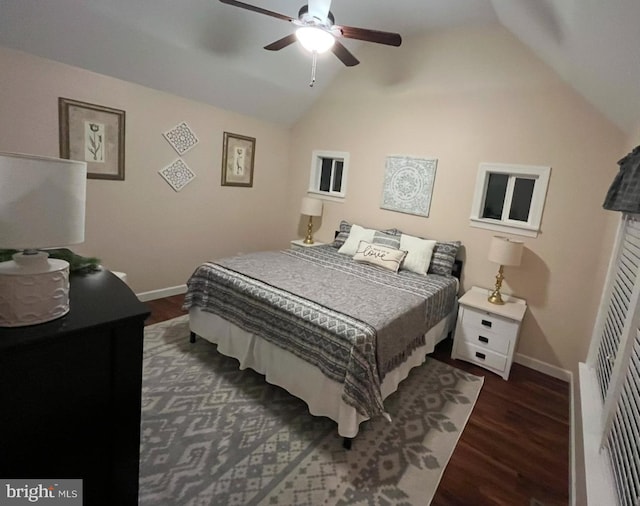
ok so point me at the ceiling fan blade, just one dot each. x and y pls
(281, 43)
(259, 10)
(319, 9)
(388, 38)
(344, 55)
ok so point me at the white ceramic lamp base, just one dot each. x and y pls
(33, 289)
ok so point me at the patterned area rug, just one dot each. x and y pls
(215, 435)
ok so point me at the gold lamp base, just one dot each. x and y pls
(309, 238)
(496, 297)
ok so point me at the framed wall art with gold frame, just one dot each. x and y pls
(238, 155)
(94, 134)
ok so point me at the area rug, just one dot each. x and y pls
(215, 435)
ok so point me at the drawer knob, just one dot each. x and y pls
(480, 355)
(483, 339)
(486, 323)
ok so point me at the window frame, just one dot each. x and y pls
(316, 172)
(530, 228)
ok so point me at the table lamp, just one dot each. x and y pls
(503, 251)
(42, 204)
(310, 207)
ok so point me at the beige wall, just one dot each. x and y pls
(465, 97)
(141, 225)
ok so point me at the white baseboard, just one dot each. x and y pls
(543, 367)
(163, 292)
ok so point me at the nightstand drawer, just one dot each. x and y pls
(486, 339)
(481, 356)
(484, 321)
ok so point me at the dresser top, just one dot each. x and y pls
(95, 299)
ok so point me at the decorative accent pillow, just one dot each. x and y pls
(343, 233)
(419, 252)
(377, 254)
(386, 239)
(393, 231)
(443, 258)
(356, 235)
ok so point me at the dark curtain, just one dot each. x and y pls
(624, 193)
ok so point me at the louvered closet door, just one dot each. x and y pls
(623, 441)
(622, 295)
(617, 363)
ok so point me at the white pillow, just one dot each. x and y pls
(356, 234)
(377, 254)
(419, 253)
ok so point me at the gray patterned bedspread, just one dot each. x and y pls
(354, 321)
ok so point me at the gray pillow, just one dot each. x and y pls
(343, 233)
(386, 239)
(443, 257)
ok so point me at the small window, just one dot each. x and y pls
(329, 173)
(510, 198)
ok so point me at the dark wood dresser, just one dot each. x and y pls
(70, 393)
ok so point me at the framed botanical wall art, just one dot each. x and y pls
(93, 134)
(238, 155)
(408, 184)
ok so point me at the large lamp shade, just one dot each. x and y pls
(311, 207)
(42, 204)
(504, 251)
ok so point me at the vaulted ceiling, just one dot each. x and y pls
(212, 52)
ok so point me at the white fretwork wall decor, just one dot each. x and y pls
(181, 138)
(408, 184)
(177, 174)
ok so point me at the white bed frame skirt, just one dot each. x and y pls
(300, 378)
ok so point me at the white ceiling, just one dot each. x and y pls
(212, 52)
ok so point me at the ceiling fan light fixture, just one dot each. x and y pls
(315, 39)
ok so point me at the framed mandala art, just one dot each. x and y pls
(408, 184)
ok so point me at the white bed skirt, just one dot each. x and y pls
(282, 368)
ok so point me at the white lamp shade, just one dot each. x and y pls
(504, 251)
(311, 207)
(42, 201)
(315, 39)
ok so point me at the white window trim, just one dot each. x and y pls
(314, 177)
(532, 227)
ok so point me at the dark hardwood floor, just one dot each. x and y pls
(515, 447)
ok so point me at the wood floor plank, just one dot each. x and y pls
(515, 446)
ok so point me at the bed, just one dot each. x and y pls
(338, 332)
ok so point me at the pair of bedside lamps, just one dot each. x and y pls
(503, 251)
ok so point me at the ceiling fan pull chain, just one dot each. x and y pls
(314, 62)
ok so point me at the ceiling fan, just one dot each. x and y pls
(317, 32)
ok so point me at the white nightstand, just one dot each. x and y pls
(487, 334)
(300, 243)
